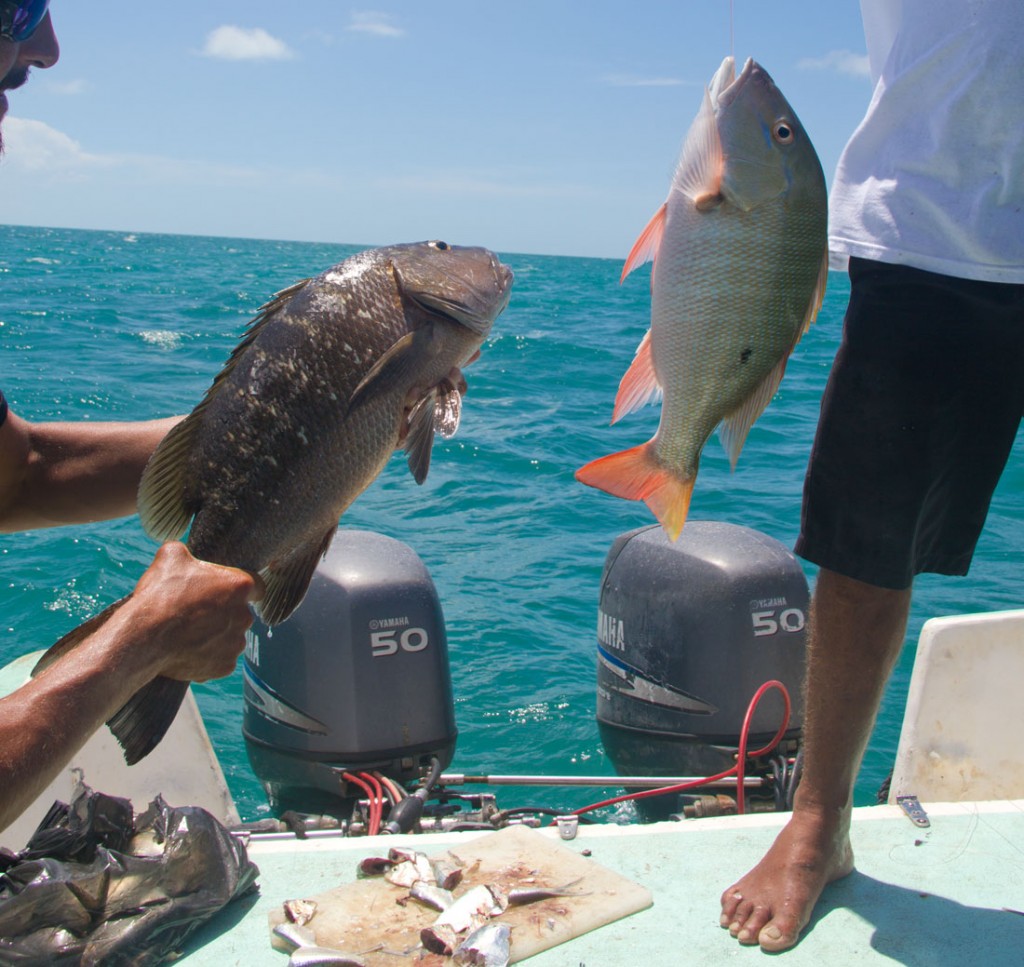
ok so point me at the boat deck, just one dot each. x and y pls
(922, 897)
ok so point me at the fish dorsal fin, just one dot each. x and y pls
(639, 386)
(645, 248)
(75, 637)
(287, 582)
(419, 441)
(699, 173)
(163, 511)
(396, 363)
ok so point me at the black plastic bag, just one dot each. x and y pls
(94, 886)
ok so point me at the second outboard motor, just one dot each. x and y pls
(687, 633)
(357, 679)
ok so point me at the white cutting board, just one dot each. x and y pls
(359, 916)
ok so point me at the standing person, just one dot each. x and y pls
(186, 619)
(923, 403)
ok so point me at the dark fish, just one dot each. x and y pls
(333, 375)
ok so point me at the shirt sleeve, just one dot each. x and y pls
(3, 408)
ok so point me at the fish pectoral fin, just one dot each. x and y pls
(645, 248)
(448, 407)
(144, 719)
(702, 162)
(736, 425)
(396, 364)
(75, 637)
(637, 474)
(639, 386)
(287, 583)
(817, 296)
(419, 441)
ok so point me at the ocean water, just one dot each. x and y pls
(97, 325)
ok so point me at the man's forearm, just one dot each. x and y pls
(70, 473)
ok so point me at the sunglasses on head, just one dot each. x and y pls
(19, 18)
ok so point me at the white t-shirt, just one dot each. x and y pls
(934, 175)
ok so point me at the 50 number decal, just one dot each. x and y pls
(772, 622)
(383, 643)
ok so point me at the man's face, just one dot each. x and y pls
(39, 50)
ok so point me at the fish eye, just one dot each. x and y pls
(783, 132)
(441, 246)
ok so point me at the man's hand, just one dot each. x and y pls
(196, 614)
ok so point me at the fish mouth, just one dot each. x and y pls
(725, 86)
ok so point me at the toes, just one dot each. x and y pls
(750, 922)
(731, 899)
(775, 937)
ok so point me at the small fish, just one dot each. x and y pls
(740, 266)
(520, 896)
(295, 934)
(431, 895)
(373, 866)
(488, 946)
(323, 957)
(414, 869)
(446, 875)
(334, 375)
(439, 938)
(477, 903)
(300, 911)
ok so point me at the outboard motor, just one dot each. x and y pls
(357, 679)
(687, 633)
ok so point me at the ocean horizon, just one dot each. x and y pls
(98, 325)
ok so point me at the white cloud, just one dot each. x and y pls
(68, 87)
(632, 80)
(37, 147)
(841, 61)
(378, 24)
(245, 43)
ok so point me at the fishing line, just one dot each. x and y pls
(732, 28)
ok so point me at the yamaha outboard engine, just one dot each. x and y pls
(357, 679)
(687, 633)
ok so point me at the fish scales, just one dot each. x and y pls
(334, 375)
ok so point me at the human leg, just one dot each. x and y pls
(856, 631)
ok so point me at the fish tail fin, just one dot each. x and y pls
(144, 719)
(638, 474)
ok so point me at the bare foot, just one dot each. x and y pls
(774, 901)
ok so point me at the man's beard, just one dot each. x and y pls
(11, 81)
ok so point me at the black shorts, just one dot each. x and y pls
(917, 422)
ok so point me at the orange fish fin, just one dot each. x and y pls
(735, 427)
(640, 384)
(699, 172)
(637, 474)
(645, 248)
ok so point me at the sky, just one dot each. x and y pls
(527, 126)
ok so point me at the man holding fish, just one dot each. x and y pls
(923, 404)
(186, 618)
(925, 398)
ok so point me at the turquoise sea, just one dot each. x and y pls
(103, 325)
